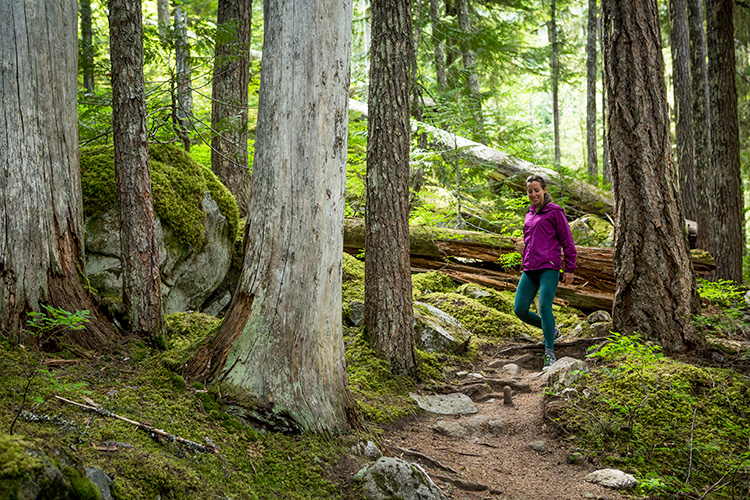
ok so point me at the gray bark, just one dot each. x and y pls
(727, 243)
(141, 286)
(470, 69)
(701, 120)
(554, 77)
(437, 36)
(87, 46)
(184, 112)
(606, 171)
(229, 157)
(591, 161)
(41, 213)
(162, 11)
(683, 103)
(389, 314)
(655, 293)
(282, 338)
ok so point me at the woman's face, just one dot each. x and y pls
(536, 193)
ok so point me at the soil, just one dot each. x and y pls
(503, 467)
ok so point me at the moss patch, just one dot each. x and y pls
(178, 184)
(666, 419)
(14, 461)
(431, 282)
(353, 280)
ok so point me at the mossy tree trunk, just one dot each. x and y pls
(655, 294)
(229, 157)
(389, 315)
(591, 161)
(282, 339)
(139, 258)
(41, 214)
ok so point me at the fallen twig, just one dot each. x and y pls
(144, 427)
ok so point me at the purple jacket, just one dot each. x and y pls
(544, 235)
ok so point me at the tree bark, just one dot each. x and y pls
(184, 112)
(701, 121)
(389, 315)
(683, 103)
(727, 244)
(41, 213)
(439, 39)
(591, 161)
(282, 339)
(656, 294)
(229, 157)
(87, 46)
(141, 285)
(606, 171)
(470, 69)
(554, 77)
(162, 11)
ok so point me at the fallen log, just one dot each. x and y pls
(509, 169)
(473, 257)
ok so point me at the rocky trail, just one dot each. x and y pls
(503, 451)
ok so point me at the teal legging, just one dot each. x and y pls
(543, 281)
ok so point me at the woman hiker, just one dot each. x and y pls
(545, 233)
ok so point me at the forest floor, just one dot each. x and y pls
(503, 466)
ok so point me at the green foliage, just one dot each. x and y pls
(727, 313)
(627, 349)
(512, 260)
(53, 320)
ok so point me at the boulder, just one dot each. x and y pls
(437, 331)
(28, 471)
(196, 221)
(592, 231)
(565, 372)
(189, 275)
(390, 478)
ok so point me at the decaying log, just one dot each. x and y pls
(472, 257)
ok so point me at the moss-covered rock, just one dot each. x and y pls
(196, 225)
(432, 282)
(28, 471)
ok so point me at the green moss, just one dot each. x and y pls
(14, 461)
(353, 280)
(664, 418)
(478, 318)
(186, 332)
(381, 396)
(178, 184)
(432, 281)
(80, 486)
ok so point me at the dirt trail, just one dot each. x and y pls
(505, 464)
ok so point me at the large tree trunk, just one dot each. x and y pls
(727, 244)
(87, 46)
(656, 294)
(683, 103)
(554, 78)
(141, 285)
(591, 162)
(282, 338)
(389, 315)
(41, 213)
(229, 158)
(701, 121)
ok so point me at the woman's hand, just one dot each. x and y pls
(568, 278)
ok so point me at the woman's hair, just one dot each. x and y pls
(543, 184)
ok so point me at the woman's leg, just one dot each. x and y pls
(528, 285)
(548, 280)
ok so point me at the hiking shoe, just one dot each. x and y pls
(549, 360)
(558, 334)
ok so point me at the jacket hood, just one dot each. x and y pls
(546, 208)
